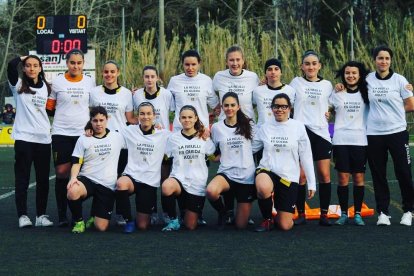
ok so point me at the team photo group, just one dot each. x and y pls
(271, 140)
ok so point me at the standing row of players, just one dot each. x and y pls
(311, 96)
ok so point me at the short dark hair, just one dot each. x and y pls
(282, 96)
(98, 110)
(380, 48)
(150, 67)
(190, 53)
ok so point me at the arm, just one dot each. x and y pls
(12, 73)
(306, 160)
(409, 104)
(73, 175)
(131, 119)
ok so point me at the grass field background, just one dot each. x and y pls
(305, 250)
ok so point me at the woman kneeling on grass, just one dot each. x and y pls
(187, 181)
(146, 148)
(233, 137)
(94, 172)
(284, 143)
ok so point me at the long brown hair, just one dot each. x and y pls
(198, 126)
(243, 127)
(25, 88)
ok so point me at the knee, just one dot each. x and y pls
(191, 226)
(211, 193)
(142, 225)
(73, 194)
(101, 227)
(166, 189)
(121, 186)
(285, 225)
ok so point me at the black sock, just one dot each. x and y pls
(228, 198)
(343, 195)
(169, 205)
(123, 204)
(218, 205)
(324, 197)
(358, 198)
(75, 207)
(61, 197)
(300, 201)
(265, 206)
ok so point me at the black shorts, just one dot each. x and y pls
(350, 159)
(103, 198)
(284, 196)
(321, 148)
(62, 148)
(145, 197)
(244, 193)
(193, 203)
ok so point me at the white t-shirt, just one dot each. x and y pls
(262, 98)
(236, 156)
(189, 161)
(115, 104)
(100, 157)
(350, 119)
(242, 85)
(311, 103)
(196, 91)
(285, 144)
(72, 105)
(145, 154)
(386, 104)
(31, 123)
(163, 103)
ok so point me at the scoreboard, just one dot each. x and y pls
(58, 34)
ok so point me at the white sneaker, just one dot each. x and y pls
(43, 221)
(120, 221)
(383, 219)
(24, 221)
(407, 219)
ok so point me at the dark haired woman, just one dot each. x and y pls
(195, 89)
(285, 145)
(389, 99)
(117, 101)
(236, 78)
(187, 181)
(94, 172)
(350, 140)
(233, 136)
(311, 106)
(69, 103)
(192, 88)
(163, 103)
(146, 148)
(31, 131)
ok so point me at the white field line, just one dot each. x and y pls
(31, 185)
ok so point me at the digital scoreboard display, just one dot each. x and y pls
(58, 34)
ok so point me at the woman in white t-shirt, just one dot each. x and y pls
(236, 78)
(31, 132)
(187, 181)
(286, 147)
(117, 101)
(233, 139)
(93, 172)
(349, 139)
(163, 103)
(146, 148)
(69, 104)
(389, 100)
(311, 106)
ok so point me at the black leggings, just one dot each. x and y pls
(27, 153)
(378, 148)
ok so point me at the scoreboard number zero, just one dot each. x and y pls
(58, 34)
